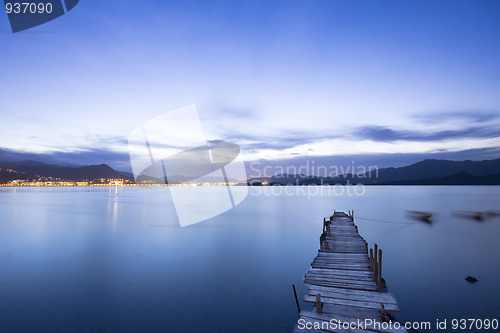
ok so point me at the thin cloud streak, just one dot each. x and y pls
(386, 134)
(474, 116)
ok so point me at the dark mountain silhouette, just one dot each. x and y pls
(431, 169)
(460, 178)
(427, 172)
(32, 170)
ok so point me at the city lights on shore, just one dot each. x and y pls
(100, 182)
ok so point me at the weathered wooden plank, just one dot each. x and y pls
(343, 281)
(341, 285)
(340, 225)
(366, 285)
(343, 272)
(320, 264)
(338, 276)
(337, 250)
(345, 240)
(344, 256)
(359, 295)
(343, 233)
(357, 262)
(351, 311)
(346, 266)
(338, 267)
(334, 232)
(346, 279)
(345, 244)
(340, 249)
(360, 304)
(361, 256)
(354, 266)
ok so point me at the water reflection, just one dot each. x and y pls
(85, 259)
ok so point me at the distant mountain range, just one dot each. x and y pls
(459, 178)
(436, 169)
(427, 172)
(30, 170)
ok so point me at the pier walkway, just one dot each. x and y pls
(346, 285)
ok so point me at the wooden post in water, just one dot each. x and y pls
(321, 240)
(382, 313)
(371, 260)
(375, 263)
(324, 224)
(379, 271)
(319, 306)
(296, 299)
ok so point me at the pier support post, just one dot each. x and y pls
(383, 316)
(319, 305)
(296, 299)
(379, 271)
(371, 260)
(375, 264)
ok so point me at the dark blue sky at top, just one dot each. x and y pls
(280, 78)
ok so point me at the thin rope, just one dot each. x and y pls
(383, 221)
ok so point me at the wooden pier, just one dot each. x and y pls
(346, 284)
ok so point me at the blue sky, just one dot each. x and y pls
(391, 82)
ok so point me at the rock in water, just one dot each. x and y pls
(471, 279)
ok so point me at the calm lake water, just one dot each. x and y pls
(87, 260)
